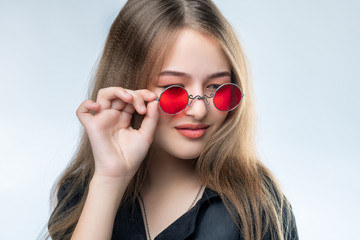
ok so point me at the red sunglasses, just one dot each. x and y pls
(175, 99)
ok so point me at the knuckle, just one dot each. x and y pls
(147, 93)
(136, 96)
(114, 89)
(144, 94)
(132, 92)
(101, 92)
(78, 111)
(142, 91)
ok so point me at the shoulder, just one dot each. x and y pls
(289, 222)
(282, 206)
(215, 222)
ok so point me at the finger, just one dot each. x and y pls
(147, 94)
(106, 95)
(148, 126)
(118, 104)
(140, 96)
(117, 97)
(138, 102)
(83, 111)
(129, 108)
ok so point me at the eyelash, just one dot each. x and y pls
(217, 85)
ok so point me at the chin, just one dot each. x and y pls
(185, 149)
(180, 149)
(187, 156)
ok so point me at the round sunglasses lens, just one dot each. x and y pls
(227, 97)
(173, 100)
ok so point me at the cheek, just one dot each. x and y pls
(219, 118)
(164, 123)
(165, 131)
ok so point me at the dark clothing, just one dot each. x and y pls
(208, 219)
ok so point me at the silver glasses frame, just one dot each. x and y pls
(200, 97)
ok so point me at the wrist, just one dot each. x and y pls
(107, 181)
(111, 189)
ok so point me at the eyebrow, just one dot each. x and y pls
(185, 75)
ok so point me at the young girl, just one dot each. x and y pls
(168, 148)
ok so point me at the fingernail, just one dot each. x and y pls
(143, 108)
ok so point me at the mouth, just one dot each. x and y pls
(192, 126)
(192, 131)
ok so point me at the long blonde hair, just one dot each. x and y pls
(136, 46)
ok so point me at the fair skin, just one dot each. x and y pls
(195, 62)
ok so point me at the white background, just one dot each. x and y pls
(304, 60)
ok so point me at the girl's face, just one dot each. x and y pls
(197, 63)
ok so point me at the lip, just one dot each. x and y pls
(192, 131)
(192, 126)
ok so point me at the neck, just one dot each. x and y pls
(167, 172)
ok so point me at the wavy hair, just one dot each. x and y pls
(135, 49)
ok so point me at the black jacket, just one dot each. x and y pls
(208, 219)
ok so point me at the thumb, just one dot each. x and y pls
(150, 120)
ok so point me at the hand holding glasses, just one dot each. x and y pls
(175, 99)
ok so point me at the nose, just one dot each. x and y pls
(197, 107)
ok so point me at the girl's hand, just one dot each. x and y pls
(118, 148)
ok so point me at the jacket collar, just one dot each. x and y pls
(185, 225)
(207, 195)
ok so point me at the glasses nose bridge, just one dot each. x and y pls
(200, 97)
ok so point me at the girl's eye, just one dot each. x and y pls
(215, 86)
(170, 86)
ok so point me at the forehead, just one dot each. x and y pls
(196, 55)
